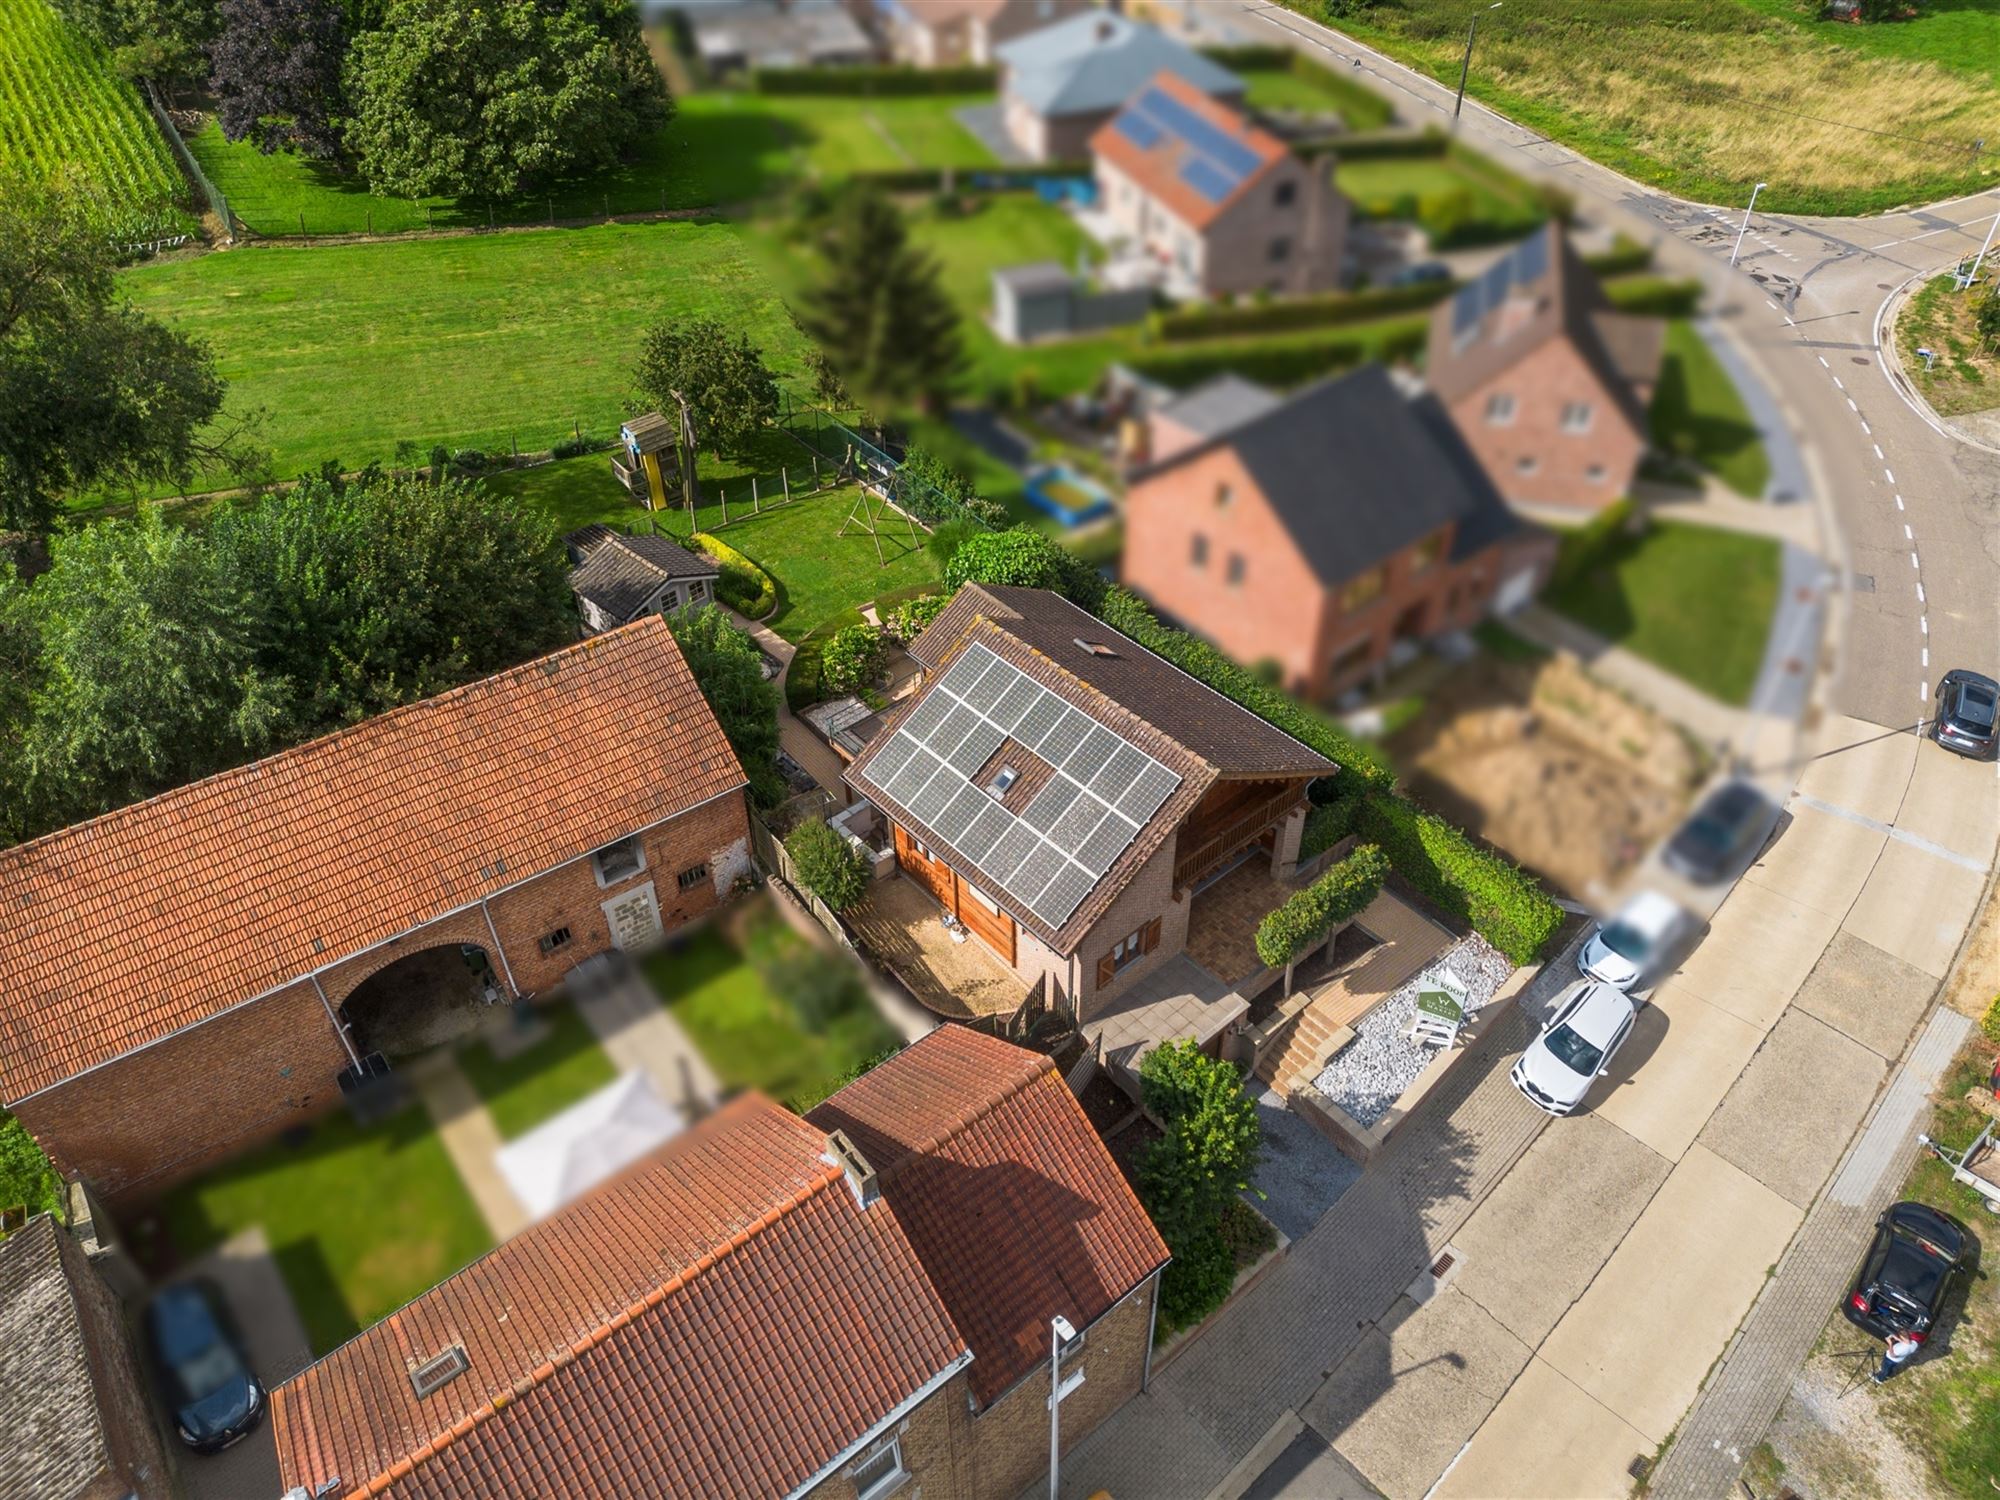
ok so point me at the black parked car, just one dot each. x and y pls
(1968, 707)
(204, 1376)
(1727, 826)
(1907, 1271)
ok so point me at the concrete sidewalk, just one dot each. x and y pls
(470, 1138)
(638, 1032)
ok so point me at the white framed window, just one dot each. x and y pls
(1128, 948)
(1500, 409)
(619, 861)
(1577, 416)
(980, 896)
(879, 1473)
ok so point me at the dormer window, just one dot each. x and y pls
(1003, 781)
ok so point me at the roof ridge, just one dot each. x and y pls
(543, 663)
(826, 1176)
(1036, 1066)
(624, 544)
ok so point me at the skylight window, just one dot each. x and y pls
(1003, 782)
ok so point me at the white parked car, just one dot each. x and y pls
(1575, 1047)
(1629, 950)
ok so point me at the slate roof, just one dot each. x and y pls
(1356, 471)
(138, 923)
(1539, 290)
(1097, 60)
(726, 1319)
(1180, 123)
(1218, 404)
(1010, 1199)
(1035, 276)
(621, 573)
(1129, 691)
(53, 1445)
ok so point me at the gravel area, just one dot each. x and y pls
(1302, 1173)
(1370, 1073)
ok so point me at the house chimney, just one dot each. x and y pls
(844, 1154)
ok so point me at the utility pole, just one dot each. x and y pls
(1745, 229)
(690, 489)
(1465, 67)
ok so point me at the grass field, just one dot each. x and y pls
(1376, 184)
(64, 110)
(1965, 376)
(479, 341)
(1698, 414)
(531, 1086)
(1706, 97)
(1692, 599)
(359, 1221)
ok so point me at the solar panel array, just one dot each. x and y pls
(1217, 163)
(1526, 263)
(1050, 856)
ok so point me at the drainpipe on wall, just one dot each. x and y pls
(505, 967)
(339, 1030)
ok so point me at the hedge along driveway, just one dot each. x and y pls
(471, 340)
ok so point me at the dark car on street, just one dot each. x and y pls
(1720, 834)
(198, 1359)
(1907, 1272)
(1968, 710)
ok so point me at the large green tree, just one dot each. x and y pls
(881, 313)
(728, 387)
(92, 391)
(730, 672)
(485, 99)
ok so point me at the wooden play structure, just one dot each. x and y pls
(648, 462)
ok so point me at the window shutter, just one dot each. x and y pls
(1107, 968)
(1152, 939)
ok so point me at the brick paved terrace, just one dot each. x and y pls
(903, 927)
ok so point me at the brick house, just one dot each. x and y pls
(618, 578)
(197, 971)
(1317, 531)
(954, 33)
(848, 1307)
(75, 1422)
(1193, 185)
(1061, 84)
(1549, 383)
(1060, 792)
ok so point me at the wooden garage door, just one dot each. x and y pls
(931, 874)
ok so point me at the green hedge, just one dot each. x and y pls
(1328, 310)
(1306, 916)
(883, 81)
(968, 179)
(1503, 904)
(1288, 362)
(1623, 259)
(1654, 296)
(1378, 145)
(743, 586)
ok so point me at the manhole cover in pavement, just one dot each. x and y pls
(1883, 286)
(1860, 359)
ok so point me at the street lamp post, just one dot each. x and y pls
(1466, 66)
(1973, 275)
(1062, 1336)
(1746, 222)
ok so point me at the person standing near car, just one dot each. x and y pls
(1901, 1347)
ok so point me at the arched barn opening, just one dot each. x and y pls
(423, 1000)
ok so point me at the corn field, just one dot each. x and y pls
(64, 111)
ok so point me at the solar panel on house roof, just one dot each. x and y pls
(1206, 179)
(1137, 129)
(1531, 258)
(1061, 844)
(1229, 154)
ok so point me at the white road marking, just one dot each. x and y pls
(1892, 475)
(1900, 835)
(1913, 559)
(1925, 622)
(1866, 430)
(1857, 411)
(1824, 365)
(1927, 656)
(1920, 593)
(1899, 502)
(1906, 534)
(1836, 379)
(1924, 691)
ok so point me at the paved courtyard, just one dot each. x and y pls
(903, 928)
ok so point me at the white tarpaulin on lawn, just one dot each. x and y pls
(565, 1157)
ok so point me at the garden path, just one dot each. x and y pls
(470, 1139)
(638, 1032)
(797, 741)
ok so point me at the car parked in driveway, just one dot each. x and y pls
(1721, 833)
(204, 1376)
(1968, 714)
(1575, 1046)
(1907, 1271)
(1634, 947)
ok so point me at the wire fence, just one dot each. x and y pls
(218, 204)
(881, 468)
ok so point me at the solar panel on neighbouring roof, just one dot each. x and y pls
(1207, 179)
(1230, 155)
(1049, 857)
(1137, 129)
(1467, 308)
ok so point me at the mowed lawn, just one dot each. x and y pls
(562, 1067)
(1698, 414)
(359, 1221)
(1692, 599)
(479, 341)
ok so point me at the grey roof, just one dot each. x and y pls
(1220, 403)
(1356, 472)
(1036, 276)
(52, 1439)
(1096, 61)
(623, 572)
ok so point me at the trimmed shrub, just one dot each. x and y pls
(1654, 296)
(993, 179)
(851, 658)
(828, 866)
(907, 620)
(1023, 558)
(1623, 259)
(1308, 915)
(1326, 311)
(1247, 1233)
(881, 81)
(743, 586)
(1505, 906)
(1381, 145)
(1197, 1280)
(1289, 362)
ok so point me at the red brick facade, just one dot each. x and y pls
(1514, 422)
(140, 1122)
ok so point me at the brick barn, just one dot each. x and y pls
(195, 972)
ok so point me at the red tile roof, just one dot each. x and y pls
(1156, 169)
(124, 929)
(1014, 1205)
(724, 1320)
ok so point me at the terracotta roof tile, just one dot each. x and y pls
(724, 1320)
(1158, 169)
(127, 928)
(1015, 1207)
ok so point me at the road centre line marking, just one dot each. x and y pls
(1857, 411)
(1920, 593)
(1866, 430)
(1824, 365)
(1906, 534)
(1899, 502)
(1836, 379)
(1925, 622)
(1924, 691)
(1913, 559)
(1927, 656)
(1892, 475)
(1878, 451)
(1901, 835)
